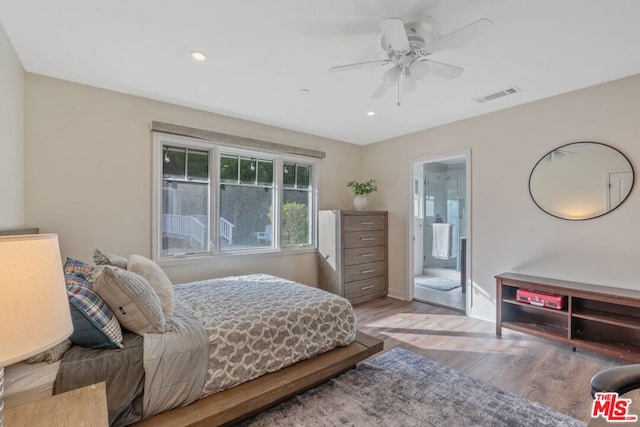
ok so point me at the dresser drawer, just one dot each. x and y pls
(361, 239)
(364, 271)
(364, 255)
(365, 287)
(364, 222)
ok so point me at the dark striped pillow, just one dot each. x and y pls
(94, 324)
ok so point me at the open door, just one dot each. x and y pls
(439, 227)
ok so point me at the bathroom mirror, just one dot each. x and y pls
(581, 180)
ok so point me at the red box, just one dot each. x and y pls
(540, 299)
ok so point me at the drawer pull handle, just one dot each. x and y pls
(367, 287)
(366, 255)
(366, 238)
(366, 222)
(367, 271)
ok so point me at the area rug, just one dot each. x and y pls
(439, 283)
(400, 388)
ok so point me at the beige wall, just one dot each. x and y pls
(88, 174)
(87, 177)
(11, 136)
(509, 233)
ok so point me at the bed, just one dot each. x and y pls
(234, 346)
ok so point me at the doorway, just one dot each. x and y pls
(440, 225)
(618, 186)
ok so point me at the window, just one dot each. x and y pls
(246, 202)
(211, 199)
(296, 205)
(185, 200)
(430, 205)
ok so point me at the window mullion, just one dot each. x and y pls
(313, 227)
(277, 203)
(214, 201)
(186, 164)
(156, 173)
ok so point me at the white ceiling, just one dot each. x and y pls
(262, 53)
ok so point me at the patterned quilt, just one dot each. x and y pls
(259, 324)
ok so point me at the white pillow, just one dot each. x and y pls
(130, 297)
(157, 278)
(105, 258)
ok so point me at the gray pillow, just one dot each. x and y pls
(156, 277)
(105, 258)
(131, 297)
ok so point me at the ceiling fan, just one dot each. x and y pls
(408, 44)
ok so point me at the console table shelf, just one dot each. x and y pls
(595, 318)
(539, 329)
(610, 318)
(535, 307)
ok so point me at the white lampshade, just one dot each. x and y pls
(34, 309)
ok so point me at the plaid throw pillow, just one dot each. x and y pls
(74, 266)
(77, 279)
(94, 324)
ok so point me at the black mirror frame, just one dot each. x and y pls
(594, 217)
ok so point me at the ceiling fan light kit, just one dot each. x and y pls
(409, 43)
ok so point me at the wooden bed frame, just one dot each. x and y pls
(232, 405)
(242, 401)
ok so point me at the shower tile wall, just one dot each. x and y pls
(445, 188)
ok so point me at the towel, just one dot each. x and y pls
(442, 237)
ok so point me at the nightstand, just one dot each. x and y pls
(84, 407)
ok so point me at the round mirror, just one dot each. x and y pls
(581, 180)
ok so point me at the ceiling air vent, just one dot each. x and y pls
(509, 91)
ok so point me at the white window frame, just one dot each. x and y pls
(160, 139)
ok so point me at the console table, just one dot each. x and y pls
(602, 319)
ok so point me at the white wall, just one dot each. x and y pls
(88, 174)
(509, 233)
(11, 136)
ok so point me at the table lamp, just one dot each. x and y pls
(34, 309)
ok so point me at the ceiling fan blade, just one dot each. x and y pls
(381, 90)
(409, 84)
(349, 67)
(393, 30)
(446, 71)
(392, 75)
(477, 28)
(389, 79)
(419, 69)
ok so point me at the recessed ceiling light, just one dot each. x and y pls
(197, 55)
(371, 113)
(304, 90)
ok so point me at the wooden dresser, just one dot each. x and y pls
(353, 253)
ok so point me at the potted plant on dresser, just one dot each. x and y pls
(361, 190)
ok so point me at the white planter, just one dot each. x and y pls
(360, 203)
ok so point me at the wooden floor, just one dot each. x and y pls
(539, 370)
